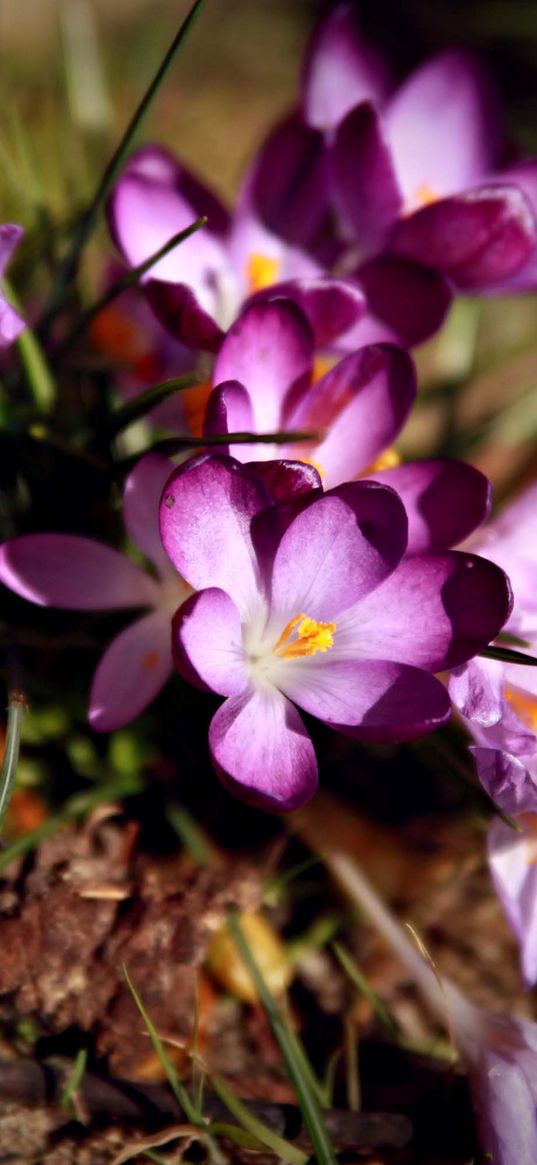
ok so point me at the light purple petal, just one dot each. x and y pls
(341, 69)
(270, 351)
(131, 672)
(444, 127)
(506, 779)
(444, 499)
(229, 410)
(78, 574)
(179, 309)
(260, 747)
(207, 643)
(409, 297)
(141, 504)
(505, 1110)
(361, 405)
(331, 306)
(365, 180)
(476, 238)
(335, 551)
(434, 611)
(476, 690)
(372, 700)
(512, 864)
(11, 323)
(206, 519)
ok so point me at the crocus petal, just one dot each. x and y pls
(504, 1108)
(434, 611)
(475, 238)
(11, 323)
(287, 480)
(444, 499)
(506, 779)
(331, 306)
(341, 69)
(269, 350)
(78, 574)
(362, 404)
(372, 700)
(206, 518)
(160, 165)
(229, 410)
(290, 183)
(515, 880)
(146, 213)
(365, 180)
(179, 309)
(476, 690)
(207, 643)
(141, 501)
(336, 550)
(131, 672)
(260, 746)
(443, 126)
(409, 297)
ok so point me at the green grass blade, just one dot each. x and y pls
(292, 1052)
(360, 982)
(133, 410)
(257, 1129)
(75, 1078)
(15, 714)
(509, 655)
(180, 1093)
(38, 375)
(67, 268)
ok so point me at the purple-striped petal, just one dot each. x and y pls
(365, 180)
(206, 518)
(335, 551)
(514, 873)
(269, 350)
(476, 689)
(506, 779)
(207, 643)
(434, 611)
(78, 574)
(475, 238)
(444, 127)
(261, 749)
(360, 406)
(131, 672)
(141, 503)
(445, 501)
(410, 298)
(373, 700)
(179, 309)
(331, 306)
(229, 410)
(290, 183)
(341, 69)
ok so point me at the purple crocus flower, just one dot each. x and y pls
(263, 383)
(198, 288)
(499, 1051)
(81, 574)
(11, 324)
(320, 610)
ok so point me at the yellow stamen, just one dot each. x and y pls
(311, 637)
(322, 365)
(424, 194)
(525, 706)
(387, 460)
(262, 271)
(529, 821)
(316, 465)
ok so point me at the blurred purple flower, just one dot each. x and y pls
(11, 324)
(320, 610)
(263, 383)
(80, 574)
